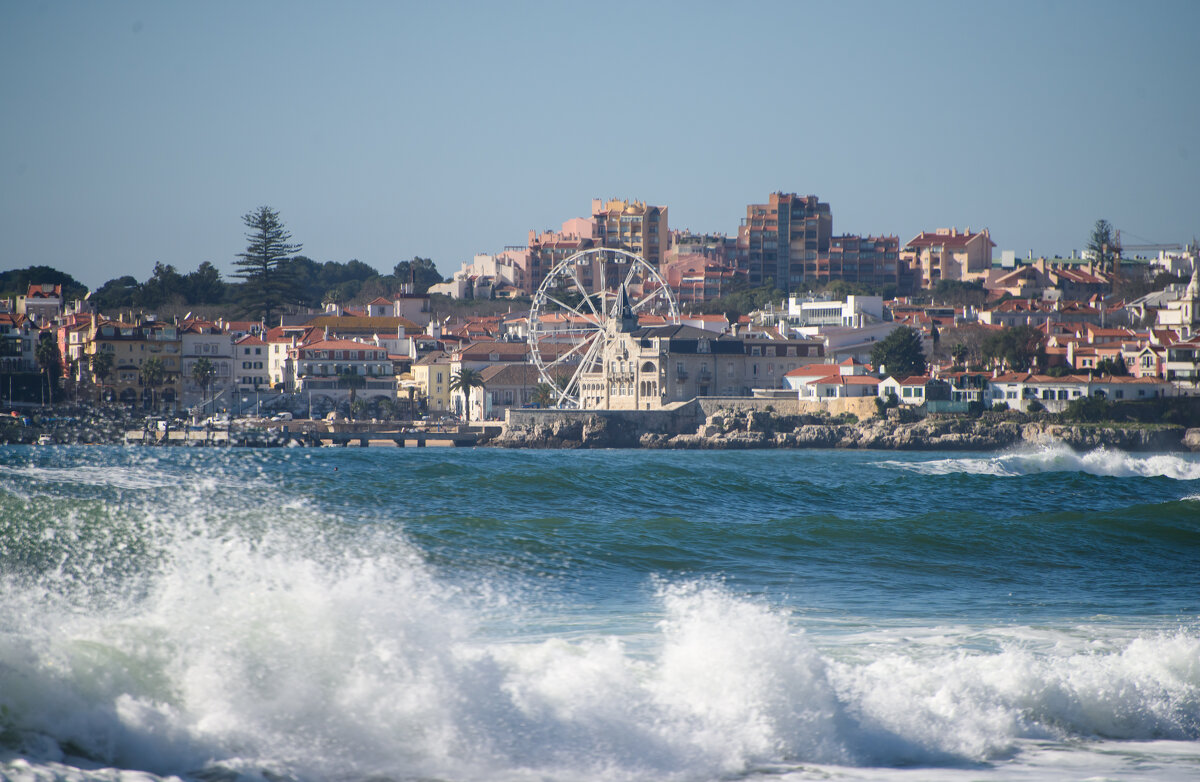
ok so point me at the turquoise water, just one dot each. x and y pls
(445, 614)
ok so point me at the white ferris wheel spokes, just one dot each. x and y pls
(573, 309)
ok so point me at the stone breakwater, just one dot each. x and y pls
(763, 430)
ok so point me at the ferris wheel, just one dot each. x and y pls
(575, 306)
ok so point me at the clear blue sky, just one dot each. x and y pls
(136, 132)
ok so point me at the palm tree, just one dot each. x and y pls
(412, 390)
(352, 381)
(203, 373)
(154, 374)
(102, 367)
(463, 382)
(543, 395)
(48, 359)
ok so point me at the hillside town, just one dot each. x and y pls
(940, 323)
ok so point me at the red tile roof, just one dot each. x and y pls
(954, 241)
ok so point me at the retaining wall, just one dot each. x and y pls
(863, 406)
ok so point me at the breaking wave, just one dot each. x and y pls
(287, 651)
(1061, 458)
(154, 622)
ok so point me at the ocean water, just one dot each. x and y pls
(386, 615)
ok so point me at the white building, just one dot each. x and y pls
(809, 315)
(201, 339)
(912, 390)
(250, 364)
(1019, 389)
(319, 367)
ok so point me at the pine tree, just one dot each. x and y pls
(900, 353)
(1103, 244)
(264, 266)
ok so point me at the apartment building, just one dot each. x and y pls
(949, 254)
(780, 239)
(633, 226)
(132, 345)
(868, 260)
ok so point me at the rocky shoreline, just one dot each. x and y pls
(763, 430)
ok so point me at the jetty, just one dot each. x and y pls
(341, 436)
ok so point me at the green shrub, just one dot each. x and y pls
(1088, 409)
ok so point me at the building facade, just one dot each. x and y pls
(132, 345)
(949, 254)
(781, 239)
(868, 260)
(633, 226)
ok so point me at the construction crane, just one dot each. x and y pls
(1120, 248)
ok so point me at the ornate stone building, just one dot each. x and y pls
(649, 368)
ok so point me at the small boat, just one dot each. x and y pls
(45, 439)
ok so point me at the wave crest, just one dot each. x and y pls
(1061, 458)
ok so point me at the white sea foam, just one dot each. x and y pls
(279, 651)
(119, 477)
(269, 642)
(1060, 458)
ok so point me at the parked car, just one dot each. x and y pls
(285, 416)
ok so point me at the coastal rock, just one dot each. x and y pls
(1083, 437)
(592, 430)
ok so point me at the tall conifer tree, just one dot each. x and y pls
(264, 266)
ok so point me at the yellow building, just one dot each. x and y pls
(132, 345)
(432, 376)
